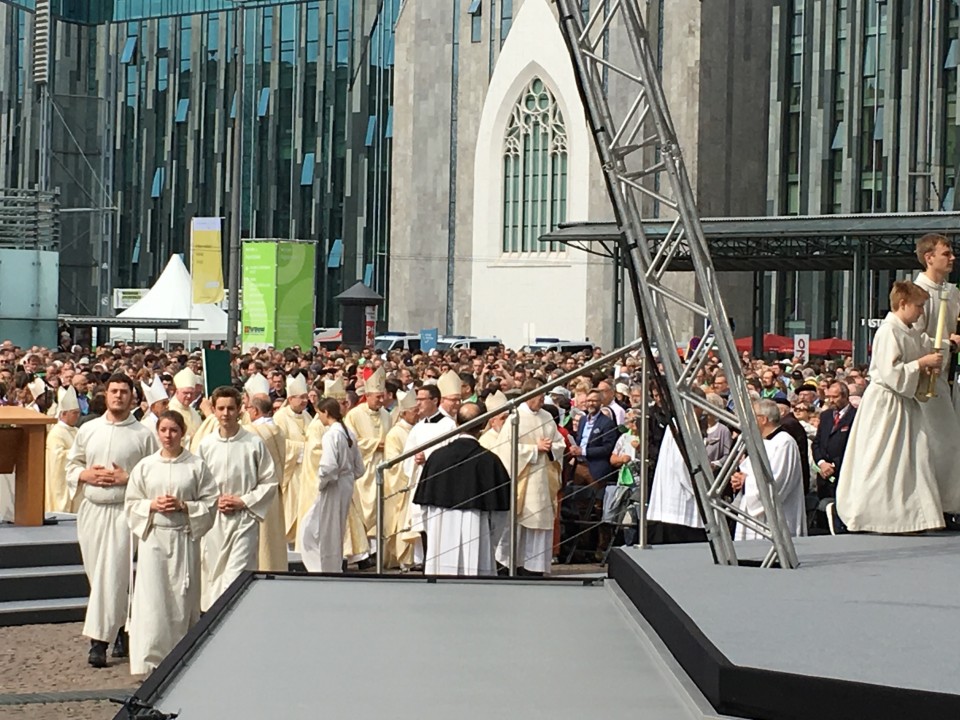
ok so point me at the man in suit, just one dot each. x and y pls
(830, 444)
(594, 441)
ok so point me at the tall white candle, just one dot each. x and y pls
(941, 320)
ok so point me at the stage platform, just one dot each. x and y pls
(299, 646)
(867, 627)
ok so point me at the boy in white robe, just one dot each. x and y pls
(784, 457)
(244, 472)
(98, 466)
(888, 482)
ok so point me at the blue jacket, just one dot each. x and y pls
(603, 438)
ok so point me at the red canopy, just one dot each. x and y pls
(831, 346)
(771, 343)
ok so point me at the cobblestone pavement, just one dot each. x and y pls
(52, 659)
(41, 659)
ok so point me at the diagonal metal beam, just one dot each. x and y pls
(653, 172)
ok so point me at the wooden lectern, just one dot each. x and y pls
(23, 450)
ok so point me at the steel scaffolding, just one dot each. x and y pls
(615, 64)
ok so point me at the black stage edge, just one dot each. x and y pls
(760, 693)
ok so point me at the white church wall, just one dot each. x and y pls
(516, 295)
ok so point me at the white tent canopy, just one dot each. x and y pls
(171, 298)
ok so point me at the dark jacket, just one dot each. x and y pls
(792, 427)
(830, 444)
(603, 438)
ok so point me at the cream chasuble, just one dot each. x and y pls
(538, 482)
(58, 497)
(396, 552)
(190, 416)
(294, 427)
(307, 491)
(272, 555)
(371, 428)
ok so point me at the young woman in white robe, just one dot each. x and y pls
(341, 463)
(170, 504)
(888, 481)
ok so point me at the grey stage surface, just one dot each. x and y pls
(302, 647)
(875, 609)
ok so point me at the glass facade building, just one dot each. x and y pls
(143, 115)
(862, 120)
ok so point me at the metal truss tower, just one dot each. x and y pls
(615, 64)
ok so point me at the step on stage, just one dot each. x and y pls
(867, 627)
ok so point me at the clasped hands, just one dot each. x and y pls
(230, 503)
(102, 476)
(168, 504)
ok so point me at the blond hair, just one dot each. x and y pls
(927, 244)
(904, 291)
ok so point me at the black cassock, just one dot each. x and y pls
(464, 476)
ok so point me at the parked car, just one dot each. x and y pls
(396, 341)
(468, 342)
(545, 344)
(327, 338)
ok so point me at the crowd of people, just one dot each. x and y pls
(291, 455)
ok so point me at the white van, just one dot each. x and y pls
(468, 342)
(544, 344)
(396, 341)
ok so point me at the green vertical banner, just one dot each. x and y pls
(296, 270)
(259, 294)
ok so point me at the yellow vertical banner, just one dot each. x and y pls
(206, 260)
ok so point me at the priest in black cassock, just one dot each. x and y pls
(462, 489)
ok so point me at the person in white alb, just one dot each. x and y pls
(341, 464)
(245, 476)
(98, 466)
(784, 457)
(672, 512)
(170, 504)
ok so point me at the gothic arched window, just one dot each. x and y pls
(534, 171)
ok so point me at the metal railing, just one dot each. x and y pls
(511, 407)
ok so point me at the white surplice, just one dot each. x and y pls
(57, 494)
(888, 483)
(321, 534)
(166, 592)
(424, 431)
(101, 526)
(241, 465)
(672, 498)
(459, 542)
(784, 457)
(940, 413)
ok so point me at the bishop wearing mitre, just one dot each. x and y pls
(540, 453)
(59, 441)
(395, 551)
(273, 530)
(185, 383)
(370, 422)
(293, 420)
(155, 395)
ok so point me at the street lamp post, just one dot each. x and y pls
(236, 186)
